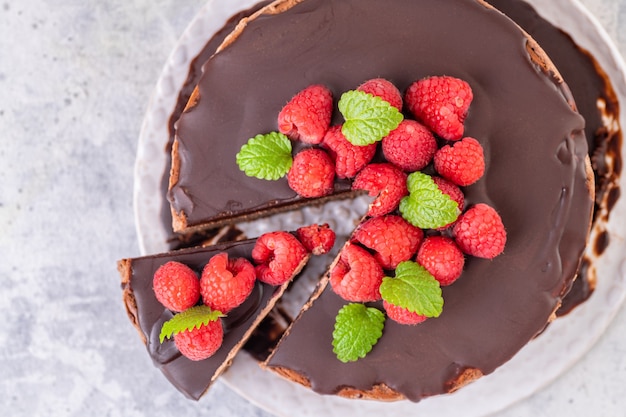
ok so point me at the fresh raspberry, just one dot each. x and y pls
(312, 173)
(349, 159)
(462, 163)
(451, 190)
(442, 258)
(384, 181)
(278, 256)
(379, 87)
(226, 283)
(201, 342)
(307, 115)
(441, 103)
(317, 239)
(176, 286)
(454, 192)
(402, 315)
(411, 146)
(391, 237)
(357, 275)
(480, 232)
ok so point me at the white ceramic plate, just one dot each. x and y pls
(539, 363)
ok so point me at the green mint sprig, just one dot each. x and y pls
(426, 206)
(189, 319)
(368, 118)
(357, 330)
(413, 288)
(267, 157)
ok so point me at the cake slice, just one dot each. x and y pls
(148, 315)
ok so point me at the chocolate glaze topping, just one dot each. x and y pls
(192, 378)
(535, 151)
(577, 68)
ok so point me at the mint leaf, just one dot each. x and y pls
(426, 206)
(368, 118)
(189, 319)
(267, 157)
(413, 288)
(357, 330)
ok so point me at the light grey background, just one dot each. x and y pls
(75, 80)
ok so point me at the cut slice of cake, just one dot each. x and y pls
(148, 315)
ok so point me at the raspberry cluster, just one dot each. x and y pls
(431, 141)
(224, 283)
(418, 226)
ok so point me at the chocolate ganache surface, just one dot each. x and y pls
(192, 378)
(536, 174)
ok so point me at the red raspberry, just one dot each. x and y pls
(480, 232)
(312, 173)
(307, 115)
(384, 181)
(176, 286)
(202, 342)
(452, 190)
(392, 238)
(226, 283)
(379, 87)
(402, 315)
(357, 275)
(279, 256)
(462, 163)
(349, 159)
(442, 258)
(411, 146)
(441, 103)
(317, 239)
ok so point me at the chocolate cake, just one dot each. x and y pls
(537, 273)
(509, 299)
